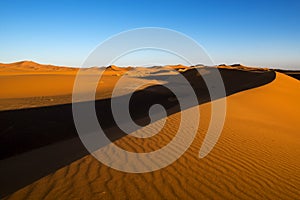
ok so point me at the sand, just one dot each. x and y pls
(256, 157)
(28, 84)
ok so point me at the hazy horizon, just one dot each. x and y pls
(144, 65)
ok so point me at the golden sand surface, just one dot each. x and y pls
(256, 156)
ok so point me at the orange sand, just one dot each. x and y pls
(256, 157)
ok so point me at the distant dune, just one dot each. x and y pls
(256, 157)
(30, 66)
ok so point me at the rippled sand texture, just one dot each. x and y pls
(256, 157)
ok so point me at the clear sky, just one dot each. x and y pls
(251, 32)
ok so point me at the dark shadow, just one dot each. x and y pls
(38, 141)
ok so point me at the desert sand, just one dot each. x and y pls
(256, 157)
(28, 84)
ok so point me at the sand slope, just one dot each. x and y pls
(256, 157)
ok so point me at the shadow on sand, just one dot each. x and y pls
(38, 141)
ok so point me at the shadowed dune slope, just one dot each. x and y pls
(256, 157)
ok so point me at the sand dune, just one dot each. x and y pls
(31, 67)
(256, 157)
(242, 67)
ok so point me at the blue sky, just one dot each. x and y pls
(252, 32)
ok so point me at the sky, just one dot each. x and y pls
(251, 32)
